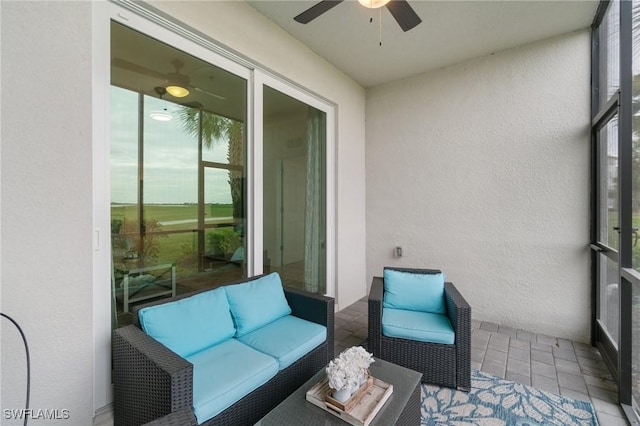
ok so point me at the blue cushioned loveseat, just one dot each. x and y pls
(222, 356)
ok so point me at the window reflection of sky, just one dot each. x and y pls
(170, 156)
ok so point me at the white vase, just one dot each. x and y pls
(362, 378)
(342, 395)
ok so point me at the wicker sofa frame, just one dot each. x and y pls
(441, 364)
(154, 386)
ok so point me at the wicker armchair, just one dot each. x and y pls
(153, 385)
(441, 364)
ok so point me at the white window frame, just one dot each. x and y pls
(139, 17)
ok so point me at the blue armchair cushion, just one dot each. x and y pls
(418, 326)
(257, 303)
(225, 373)
(414, 291)
(191, 324)
(287, 339)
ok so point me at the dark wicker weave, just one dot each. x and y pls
(153, 385)
(410, 416)
(446, 365)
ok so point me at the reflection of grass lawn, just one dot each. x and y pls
(175, 246)
(171, 246)
(170, 212)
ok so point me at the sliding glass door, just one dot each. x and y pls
(180, 155)
(294, 188)
(178, 172)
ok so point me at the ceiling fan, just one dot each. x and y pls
(400, 9)
(176, 83)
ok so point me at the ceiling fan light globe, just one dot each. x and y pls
(373, 4)
(177, 91)
(163, 115)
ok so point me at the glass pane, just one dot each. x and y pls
(609, 311)
(224, 204)
(177, 172)
(224, 144)
(169, 174)
(608, 183)
(294, 191)
(610, 53)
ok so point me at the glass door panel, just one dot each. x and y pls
(608, 191)
(608, 276)
(609, 311)
(177, 172)
(294, 200)
(609, 54)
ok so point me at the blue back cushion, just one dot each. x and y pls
(190, 325)
(257, 303)
(413, 291)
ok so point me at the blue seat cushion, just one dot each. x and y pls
(414, 291)
(257, 303)
(419, 326)
(287, 339)
(225, 373)
(191, 324)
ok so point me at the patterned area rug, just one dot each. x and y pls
(494, 401)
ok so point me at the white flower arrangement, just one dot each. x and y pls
(358, 356)
(349, 368)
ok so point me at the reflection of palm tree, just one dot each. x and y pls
(235, 156)
(214, 128)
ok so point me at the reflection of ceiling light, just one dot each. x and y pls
(177, 91)
(373, 4)
(163, 115)
(178, 83)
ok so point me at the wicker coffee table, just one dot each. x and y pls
(402, 408)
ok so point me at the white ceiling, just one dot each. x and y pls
(451, 31)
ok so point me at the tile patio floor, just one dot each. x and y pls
(573, 369)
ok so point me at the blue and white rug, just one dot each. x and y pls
(494, 401)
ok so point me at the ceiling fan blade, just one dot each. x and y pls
(206, 92)
(314, 11)
(404, 14)
(124, 64)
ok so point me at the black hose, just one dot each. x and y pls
(26, 348)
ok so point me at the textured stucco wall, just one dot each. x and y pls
(482, 169)
(46, 208)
